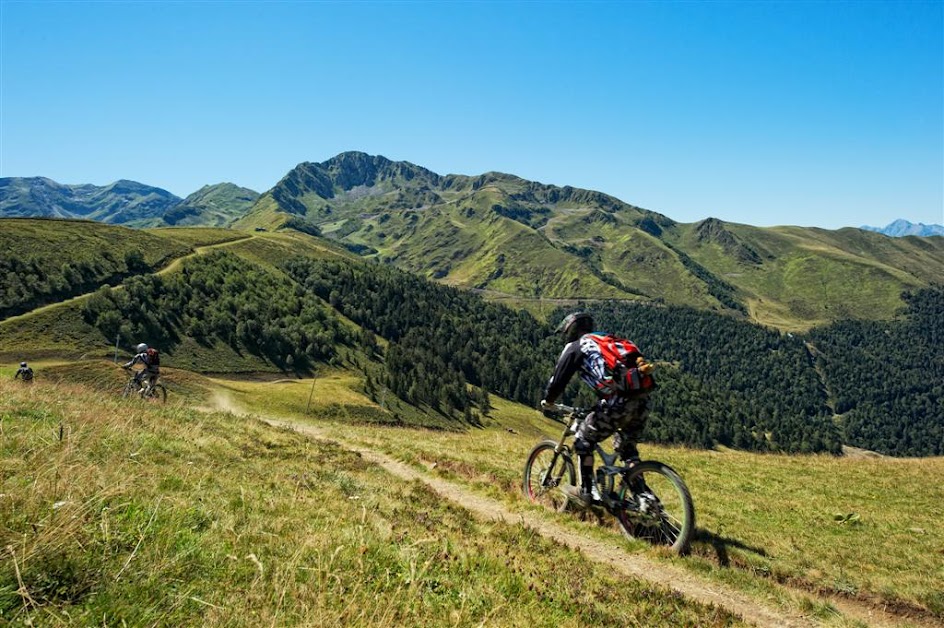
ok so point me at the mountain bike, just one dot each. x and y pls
(152, 392)
(648, 498)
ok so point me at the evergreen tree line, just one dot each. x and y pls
(27, 282)
(221, 297)
(887, 378)
(440, 339)
(721, 380)
(726, 381)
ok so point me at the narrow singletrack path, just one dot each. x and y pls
(750, 609)
(609, 554)
(172, 266)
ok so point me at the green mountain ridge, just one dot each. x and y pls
(527, 240)
(212, 206)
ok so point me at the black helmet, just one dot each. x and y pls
(575, 325)
(23, 364)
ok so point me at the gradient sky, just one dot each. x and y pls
(822, 114)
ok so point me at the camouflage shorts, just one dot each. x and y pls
(624, 417)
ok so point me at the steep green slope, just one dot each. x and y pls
(796, 278)
(509, 236)
(212, 206)
(61, 332)
(46, 261)
(221, 300)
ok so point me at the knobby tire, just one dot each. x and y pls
(158, 393)
(669, 520)
(545, 472)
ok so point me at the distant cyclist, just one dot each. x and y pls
(151, 359)
(615, 370)
(24, 372)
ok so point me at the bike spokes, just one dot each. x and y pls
(546, 472)
(656, 507)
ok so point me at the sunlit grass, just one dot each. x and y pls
(868, 528)
(130, 514)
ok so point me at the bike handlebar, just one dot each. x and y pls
(556, 411)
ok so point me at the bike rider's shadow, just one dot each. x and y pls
(721, 544)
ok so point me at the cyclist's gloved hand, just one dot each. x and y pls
(548, 409)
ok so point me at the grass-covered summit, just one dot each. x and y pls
(512, 237)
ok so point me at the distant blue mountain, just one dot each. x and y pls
(904, 228)
(123, 202)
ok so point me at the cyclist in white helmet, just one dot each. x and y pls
(150, 358)
(25, 372)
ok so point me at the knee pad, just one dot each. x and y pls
(582, 446)
(625, 447)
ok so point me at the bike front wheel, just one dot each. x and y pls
(655, 506)
(130, 389)
(545, 473)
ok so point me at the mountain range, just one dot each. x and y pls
(530, 242)
(535, 244)
(123, 202)
(900, 228)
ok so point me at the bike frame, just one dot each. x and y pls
(609, 467)
(145, 385)
(623, 490)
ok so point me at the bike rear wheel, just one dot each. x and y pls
(157, 393)
(655, 506)
(545, 473)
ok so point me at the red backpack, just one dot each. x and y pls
(624, 363)
(153, 357)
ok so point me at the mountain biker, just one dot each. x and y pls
(25, 372)
(152, 369)
(615, 412)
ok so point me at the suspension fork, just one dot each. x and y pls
(558, 452)
(560, 444)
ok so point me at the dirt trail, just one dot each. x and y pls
(606, 553)
(673, 578)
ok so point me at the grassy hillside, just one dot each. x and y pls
(46, 261)
(509, 236)
(795, 278)
(197, 236)
(866, 528)
(131, 514)
(63, 332)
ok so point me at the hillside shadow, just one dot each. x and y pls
(720, 545)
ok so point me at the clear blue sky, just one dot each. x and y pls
(809, 113)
